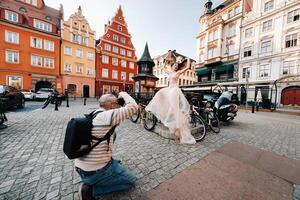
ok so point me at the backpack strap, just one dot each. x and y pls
(106, 137)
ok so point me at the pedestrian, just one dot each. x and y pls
(100, 173)
(169, 104)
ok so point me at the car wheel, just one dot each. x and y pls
(22, 104)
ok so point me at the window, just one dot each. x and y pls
(119, 28)
(246, 71)
(293, 16)
(264, 70)
(291, 40)
(36, 60)
(105, 73)
(68, 67)
(107, 47)
(11, 37)
(249, 32)
(237, 10)
(267, 25)
(123, 75)
(49, 62)
(266, 46)
(123, 40)
(201, 58)
(79, 53)
(105, 59)
(42, 25)
(79, 69)
(122, 52)
(130, 76)
(11, 16)
(123, 63)
(202, 45)
(288, 67)
(15, 81)
(231, 30)
(115, 38)
(115, 74)
(247, 52)
(115, 49)
(129, 53)
(68, 50)
(269, 5)
(115, 61)
(212, 53)
(213, 35)
(230, 13)
(72, 88)
(90, 56)
(131, 65)
(48, 45)
(36, 42)
(90, 71)
(34, 2)
(231, 49)
(11, 56)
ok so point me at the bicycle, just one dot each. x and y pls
(147, 117)
(198, 128)
(210, 119)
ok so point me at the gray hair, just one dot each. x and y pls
(106, 98)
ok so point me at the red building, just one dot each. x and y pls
(29, 44)
(115, 58)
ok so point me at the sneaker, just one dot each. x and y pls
(85, 192)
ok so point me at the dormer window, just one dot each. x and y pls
(42, 25)
(119, 28)
(22, 9)
(11, 16)
(48, 18)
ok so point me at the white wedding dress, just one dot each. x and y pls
(170, 106)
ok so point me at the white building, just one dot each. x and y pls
(270, 50)
(218, 43)
(188, 78)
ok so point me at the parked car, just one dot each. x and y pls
(43, 93)
(29, 94)
(11, 97)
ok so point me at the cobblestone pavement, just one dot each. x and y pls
(33, 165)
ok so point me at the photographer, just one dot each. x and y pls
(99, 172)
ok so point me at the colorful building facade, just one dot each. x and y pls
(29, 44)
(78, 56)
(115, 57)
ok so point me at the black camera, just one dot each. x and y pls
(121, 101)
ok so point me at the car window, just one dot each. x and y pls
(12, 89)
(2, 89)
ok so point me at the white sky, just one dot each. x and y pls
(164, 24)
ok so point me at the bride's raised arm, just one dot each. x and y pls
(179, 72)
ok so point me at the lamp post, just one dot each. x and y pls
(247, 82)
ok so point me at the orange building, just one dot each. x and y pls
(78, 56)
(115, 58)
(29, 44)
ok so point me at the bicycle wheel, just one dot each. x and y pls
(198, 128)
(46, 103)
(134, 118)
(150, 121)
(214, 122)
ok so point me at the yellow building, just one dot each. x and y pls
(78, 56)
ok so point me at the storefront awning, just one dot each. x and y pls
(224, 68)
(202, 71)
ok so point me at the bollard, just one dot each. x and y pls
(67, 97)
(252, 108)
(56, 104)
(256, 108)
(84, 101)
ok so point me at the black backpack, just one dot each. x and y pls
(78, 138)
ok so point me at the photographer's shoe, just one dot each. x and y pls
(85, 192)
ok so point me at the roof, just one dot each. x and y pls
(176, 54)
(146, 56)
(220, 6)
(34, 12)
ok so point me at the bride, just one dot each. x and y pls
(169, 104)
